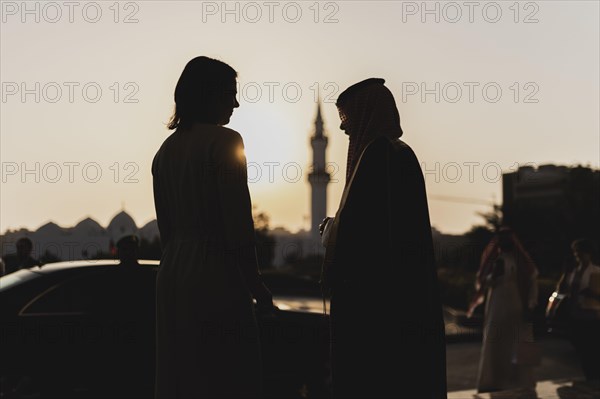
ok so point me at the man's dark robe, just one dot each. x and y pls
(386, 317)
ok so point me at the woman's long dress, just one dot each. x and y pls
(504, 329)
(207, 339)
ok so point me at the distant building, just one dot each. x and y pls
(121, 225)
(85, 240)
(319, 177)
(149, 231)
(88, 237)
(551, 206)
(289, 246)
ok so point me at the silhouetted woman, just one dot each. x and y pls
(507, 279)
(207, 339)
(386, 316)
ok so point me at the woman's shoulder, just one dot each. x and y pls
(218, 136)
(229, 135)
(160, 153)
(211, 138)
(198, 136)
(216, 131)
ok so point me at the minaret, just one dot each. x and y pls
(318, 177)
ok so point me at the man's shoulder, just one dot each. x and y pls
(375, 152)
(403, 148)
(395, 145)
(398, 149)
(379, 145)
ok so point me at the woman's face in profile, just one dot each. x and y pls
(228, 104)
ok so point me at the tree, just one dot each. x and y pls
(493, 219)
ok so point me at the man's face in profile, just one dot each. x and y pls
(344, 121)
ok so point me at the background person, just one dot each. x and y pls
(22, 259)
(508, 279)
(583, 288)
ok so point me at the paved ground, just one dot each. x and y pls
(558, 369)
(559, 375)
(559, 362)
(552, 389)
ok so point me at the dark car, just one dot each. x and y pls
(87, 328)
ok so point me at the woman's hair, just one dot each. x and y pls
(202, 84)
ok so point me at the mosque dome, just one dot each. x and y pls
(89, 226)
(150, 230)
(121, 225)
(50, 228)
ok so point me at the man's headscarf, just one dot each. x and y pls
(367, 110)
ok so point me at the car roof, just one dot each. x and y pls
(60, 266)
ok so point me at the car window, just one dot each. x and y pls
(76, 295)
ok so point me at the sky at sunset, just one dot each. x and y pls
(482, 88)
